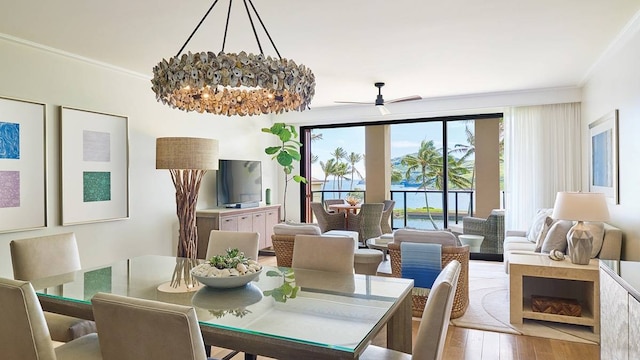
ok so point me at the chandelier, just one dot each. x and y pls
(233, 84)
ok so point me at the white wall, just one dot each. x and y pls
(615, 84)
(32, 73)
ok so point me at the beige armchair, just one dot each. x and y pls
(23, 330)
(432, 333)
(45, 256)
(133, 329)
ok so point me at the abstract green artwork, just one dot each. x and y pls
(96, 186)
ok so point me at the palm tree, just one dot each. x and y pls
(339, 171)
(425, 162)
(328, 168)
(468, 150)
(353, 159)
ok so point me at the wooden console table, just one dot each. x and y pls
(258, 219)
(539, 275)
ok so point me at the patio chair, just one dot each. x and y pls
(23, 330)
(387, 211)
(492, 228)
(45, 256)
(432, 332)
(329, 202)
(367, 221)
(327, 221)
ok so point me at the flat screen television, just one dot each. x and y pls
(239, 183)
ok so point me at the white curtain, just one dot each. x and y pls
(542, 157)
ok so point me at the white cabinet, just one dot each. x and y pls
(614, 322)
(259, 219)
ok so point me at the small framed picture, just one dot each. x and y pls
(95, 166)
(603, 157)
(23, 165)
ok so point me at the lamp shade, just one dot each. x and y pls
(186, 153)
(580, 206)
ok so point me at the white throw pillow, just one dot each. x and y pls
(546, 225)
(537, 224)
(556, 238)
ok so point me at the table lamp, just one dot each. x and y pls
(580, 207)
(187, 159)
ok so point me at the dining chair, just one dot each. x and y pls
(23, 330)
(367, 221)
(133, 329)
(387, 212)
(324, 253)
(283, 239)
(328, 221)
(45, 256)
(220, 241)
(432, 332)
(329, 202)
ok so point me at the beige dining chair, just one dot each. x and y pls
(220, 241)
(432, 332)
(45, 256)
(134, 329)
(23, 329)
(324, 253)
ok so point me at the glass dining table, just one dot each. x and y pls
(331, 316)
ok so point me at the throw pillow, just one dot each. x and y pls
(548, 222)
(597, 231)
(557, 236)
(537, 224)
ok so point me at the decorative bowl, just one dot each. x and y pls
(227, 282)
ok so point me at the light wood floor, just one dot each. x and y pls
(469, 344)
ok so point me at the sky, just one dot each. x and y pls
(405, 139)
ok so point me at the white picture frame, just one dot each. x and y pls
(23, 165)
(603, 157)
(94, 150)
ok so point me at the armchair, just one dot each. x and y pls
(385, 222)
(492, 228)
(327, 221)
(330, 202)
(367, 221)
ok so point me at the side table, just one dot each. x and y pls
(539, 275)
(374, 244)
(474, 241)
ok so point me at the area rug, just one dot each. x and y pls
(489, 308)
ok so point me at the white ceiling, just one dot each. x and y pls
(428, 48)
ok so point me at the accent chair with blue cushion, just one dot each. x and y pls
(450, 250)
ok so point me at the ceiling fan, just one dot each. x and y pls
(379, 103)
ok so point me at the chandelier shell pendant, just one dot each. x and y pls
(233, 83)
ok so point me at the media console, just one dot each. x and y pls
(255, 219)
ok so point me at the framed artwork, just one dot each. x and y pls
(23, 165)
(603, 157)
(94, 150)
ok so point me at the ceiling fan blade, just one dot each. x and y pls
(408, 98)
(353, 102)
(383, 110)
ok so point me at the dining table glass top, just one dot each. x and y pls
(331, 310)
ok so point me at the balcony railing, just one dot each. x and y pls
(410, 208)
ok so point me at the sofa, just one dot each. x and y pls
(527, 241)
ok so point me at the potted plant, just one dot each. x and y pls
(286, 154)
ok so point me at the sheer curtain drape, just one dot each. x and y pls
(542, 157)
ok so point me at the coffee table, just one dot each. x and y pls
(474, 241)
(536, 274)
(373, 244)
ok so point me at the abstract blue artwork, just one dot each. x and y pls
(9, 140)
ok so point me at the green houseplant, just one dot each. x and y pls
(287, 153)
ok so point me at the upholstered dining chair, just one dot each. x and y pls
(367, 221)
(324, 253)
(328, 221)
(220, 241)
(387, 211)
(133, 329)
(23, 330)
(45, 256)
(432, 332)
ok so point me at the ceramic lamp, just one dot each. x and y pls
(580, 207)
